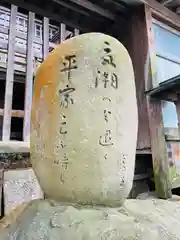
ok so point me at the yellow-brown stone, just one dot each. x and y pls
(84, 121)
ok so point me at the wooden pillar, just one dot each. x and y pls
(45, 37)
(177, 103)
(137, 45)
(9, 76)
(62, 32)
(159, 149)
(76, 32)
(151, 131)
(1, 191)
(158, 143)
(29, 77)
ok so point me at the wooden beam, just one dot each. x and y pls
(72, 22)
(13, 113)
(45, 37)
(159, 150)
(143, 151)
(72, 7)
(1, 191)
(76, 32)
(29, 77)
(177, 103)
(14, 147)
(168, 90)
(95, 8)
(165, 2)
(172, 134)
(9, 76)
(158, 143)
(151, 79)
(178, 10)
(62, 32)
(139, 55)
(161, 11)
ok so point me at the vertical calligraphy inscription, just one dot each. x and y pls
(66, 97)
(108, 57)
(69, 64)
(65, 161)
(107, 79)
(103, 77)
(107, 114)
(62, 145)
(62, 127)
(123, 160)
(106, 140)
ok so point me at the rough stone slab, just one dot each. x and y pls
(20, 186)
(137, 219)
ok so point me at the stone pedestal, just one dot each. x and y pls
(136, 219)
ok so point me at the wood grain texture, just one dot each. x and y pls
(162, 12)
(62, 32)
(13, 113)
(45, 37)
(177, 103)
(1, 189)
(158, 143)
(139, 57)
(9, 76)
(29, 77)
(159, 150)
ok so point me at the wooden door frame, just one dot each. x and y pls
(158, 142)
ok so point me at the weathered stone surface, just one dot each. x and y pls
(11, 218)
(20, 186)
(84, 121)
(153, 195)
(136, 219)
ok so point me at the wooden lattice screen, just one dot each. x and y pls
(23, 60)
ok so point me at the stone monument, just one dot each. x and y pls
(83, 144)
(84, 122)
